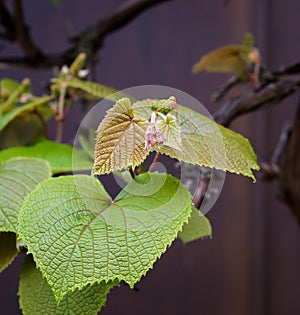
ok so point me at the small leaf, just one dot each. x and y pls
(94, 89)
(171, 131)
(8, 249)
(197, 227)
(120, 139)
(36, 296)
(79, 236)
(8, 87)
(24, 129)
(15, 96)
(77, 64)
(22, 110)
(18, 177)
(248, 40)
(206, 143)
(229, 59)
(62, 157)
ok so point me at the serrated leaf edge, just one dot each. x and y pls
(59, 297)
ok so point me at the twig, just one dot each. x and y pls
(291, 69)
(23, 36)
(131, 171)
(89, 41)
(250, 101)
(225, 88)
(7, 23)
(155, 160)
(271, 170)
(60, 116)
(200, 190)
(290, 170)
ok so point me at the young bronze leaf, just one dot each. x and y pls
(78, 235)
(36, 296)
(18, 177)
(206, 143)
(120, 139)
(227, 59)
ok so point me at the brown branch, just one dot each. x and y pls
(155, 160)
(89, 41)
(271, 170)
(7, 23)
(201, 188)
(93, 35)
(290, 170)
(272, 93)
(23, 35)
(225, 88)
(276, 87)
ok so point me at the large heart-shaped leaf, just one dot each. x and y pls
(8, 249)
(18, 177)
(120, 139)
(78, 235)
(62, 157)
(36, 296)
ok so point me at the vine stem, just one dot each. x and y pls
(131, 171)
(155, 160)
(60, 114)
(200, 191)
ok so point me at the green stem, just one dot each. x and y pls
(60, 114)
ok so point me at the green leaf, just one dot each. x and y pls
(78, 235)
(197, 227)
(8, 86)
(8, 249)
(25, 129)
(6, 118)
(206, 143)
(94, 89)
(15, 96)
(248, 40)
(171, 131)
(18, 177)
(120, 139)
(36, 296)
(62, 157)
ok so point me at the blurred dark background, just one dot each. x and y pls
(251, 265)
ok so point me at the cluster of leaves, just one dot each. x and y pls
(79, 241)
